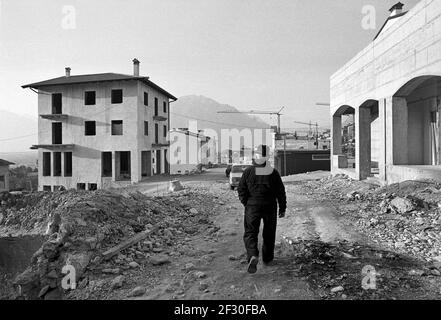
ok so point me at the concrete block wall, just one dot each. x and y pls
(409, 48)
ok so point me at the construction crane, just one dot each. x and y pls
(310, 130)
(278, 113)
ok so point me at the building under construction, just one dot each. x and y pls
(393, 89)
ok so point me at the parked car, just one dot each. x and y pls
(236, 174)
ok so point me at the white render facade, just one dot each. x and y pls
(119, 137)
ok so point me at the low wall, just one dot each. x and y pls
(397, 174)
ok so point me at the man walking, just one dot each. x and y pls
(260, 189)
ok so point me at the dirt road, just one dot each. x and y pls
(319, 255)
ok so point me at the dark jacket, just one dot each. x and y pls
(261, 189)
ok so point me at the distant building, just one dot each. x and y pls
(101, 130)
(289, 162)
(4, 175)
(188, 150)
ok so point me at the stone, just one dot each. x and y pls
(337, 289)
(117, 282)
(112, 271)
(400, 245)
(189, 267)
(402, 205)
(159, 260)
(53, 295)
(133, 265)
(200, 275)
(203, 285)
(233, 258)
(347, 255)
(137, 292)
(194, 211)
(43, 291)
(435, 272)
(416, 272)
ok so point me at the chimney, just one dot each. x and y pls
(136, 67)
(396, 9)
(68, 72)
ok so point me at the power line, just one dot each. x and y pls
(217, 122)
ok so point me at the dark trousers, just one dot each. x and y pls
(253, 215)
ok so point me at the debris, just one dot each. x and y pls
(402, 205)
(117, 282)
(347, 255)
(189, 267)
(337, 289)
(175, 186)
(159, 260)
(200, 275)
(203, 285)
(137, 292)
(128, 243)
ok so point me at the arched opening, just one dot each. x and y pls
(343, 139)
(369, 139)
(417, 122)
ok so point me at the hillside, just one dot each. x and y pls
(204, 110)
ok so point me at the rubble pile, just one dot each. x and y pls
(405, 217)
(338, 271)
(83, 227)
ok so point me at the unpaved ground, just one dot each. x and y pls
(318, 252)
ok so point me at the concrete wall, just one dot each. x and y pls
(408, 49)
(4, 172)
(86, 162)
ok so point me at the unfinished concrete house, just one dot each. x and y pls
(4, 175)
(393, 89)
(101, 130)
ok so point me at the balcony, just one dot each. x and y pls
(54, 117)
(160, 145)
(160, 118)
(63, 147)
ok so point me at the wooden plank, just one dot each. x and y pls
(127, 243)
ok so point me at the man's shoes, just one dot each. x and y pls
(252, 265)
(269, 263)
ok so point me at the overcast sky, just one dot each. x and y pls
(252, 54)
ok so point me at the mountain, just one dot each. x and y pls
(205, 111)
(17, 132)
